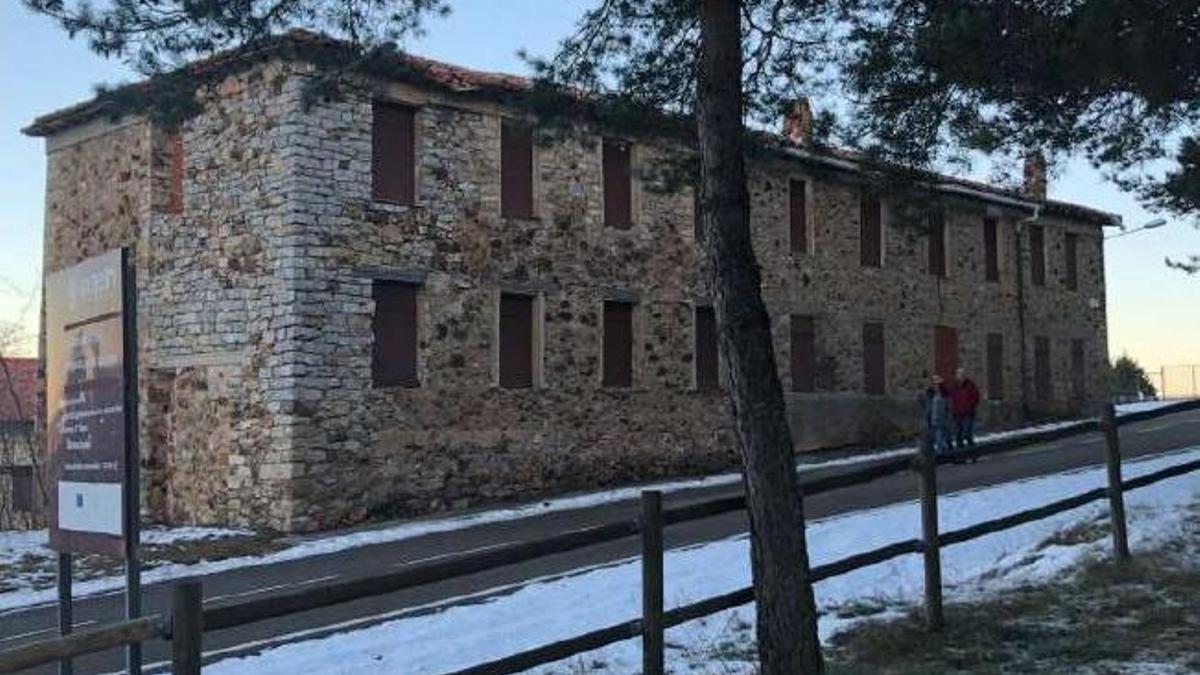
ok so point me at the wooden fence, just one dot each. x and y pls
(189, 619)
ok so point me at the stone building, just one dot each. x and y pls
(414, 296)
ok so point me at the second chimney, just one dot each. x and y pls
(1035, 175)
(798, 121)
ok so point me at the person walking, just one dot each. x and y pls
(935, 416)
(964, 400)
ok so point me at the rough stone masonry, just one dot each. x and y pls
(260, 245)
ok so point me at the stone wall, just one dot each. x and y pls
(256, 308)
(459, 439)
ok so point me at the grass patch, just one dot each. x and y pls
(1104, 613)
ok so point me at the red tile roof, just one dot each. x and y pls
(306, 45)
(21, 380)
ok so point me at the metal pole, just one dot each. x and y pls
(187, 628)
(66, 621)
(930, 546)
(653, 637)
(133, 487)
(1116, 499)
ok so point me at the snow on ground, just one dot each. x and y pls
(1141, 406)
(21, 542)
(443, 638)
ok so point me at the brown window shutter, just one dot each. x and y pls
(945, 351)
(618, 344)
(937, 244)
(708, 370)
(1071, 246)
(21, 477)
(618, 185)
(394, 358)
(1041, 368)
(1078, 370)
(393, 153)
(995, 366)
(870, 230)
(991, 249)
(516, 341)
(516, 170)
(874, 359)
(798, 213)
(175, 187)
(804, 353)
(1037, 255)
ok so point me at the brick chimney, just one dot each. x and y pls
(1035, 175)
(797, 122)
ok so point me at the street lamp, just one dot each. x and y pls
(1152, 225)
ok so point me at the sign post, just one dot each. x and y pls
(91, 422)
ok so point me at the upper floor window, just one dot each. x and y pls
(618, 184)
(1071, 251)
(1037, 255)
(394, 325)
(516, 170)
(393, 153)
(798, 215)
(991, 249)
(937, 243)
(870, 230)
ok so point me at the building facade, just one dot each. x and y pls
(415, 297)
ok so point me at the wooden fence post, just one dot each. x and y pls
(1116, 497)
(930, 546)
(187, 627)
(653, 637)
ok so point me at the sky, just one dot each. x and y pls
(1153, 311)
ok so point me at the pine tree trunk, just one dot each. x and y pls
(787, 621)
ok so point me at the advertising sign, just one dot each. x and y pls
(85, 406)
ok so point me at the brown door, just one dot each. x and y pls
(945, 351)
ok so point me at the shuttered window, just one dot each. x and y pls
(175, 185)
(804, 353)
(394, 358)
(945, 351)
(516, 170)
(1037, 255)
(870, 230)
(516, 341)
(1078, 370)
(393, 153)
(937, 244)
(618, 185)
(1041, 368)
(798, 215)
(708, 371)
(874, 359)
(991, 249)
(21, 477)
(1071, 250)
(618, 344)
(697, 215)
(995, 366)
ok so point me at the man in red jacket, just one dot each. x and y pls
(964, 399)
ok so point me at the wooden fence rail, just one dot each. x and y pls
(190, 620)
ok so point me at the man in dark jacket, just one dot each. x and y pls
(964, 399)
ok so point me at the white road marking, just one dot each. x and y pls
(53, 629)
(276, 587)
(451, 554)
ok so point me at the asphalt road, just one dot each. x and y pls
(19, 626)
